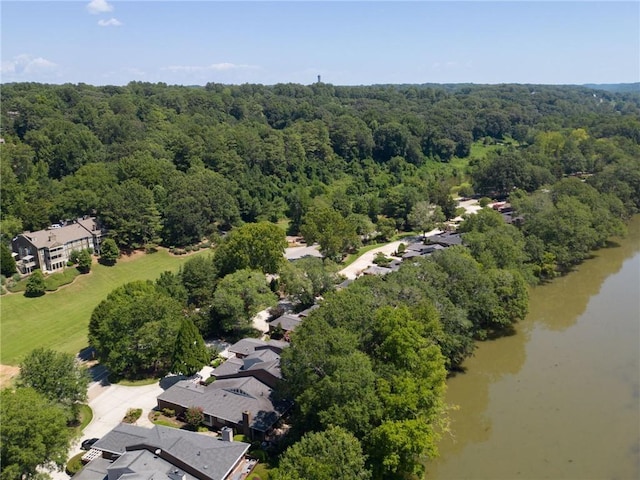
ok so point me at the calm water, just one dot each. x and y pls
(561, 399)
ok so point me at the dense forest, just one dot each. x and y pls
(174, 165)
(170, 164)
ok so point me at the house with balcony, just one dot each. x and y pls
(49, 249)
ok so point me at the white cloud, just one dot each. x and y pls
(27, 64)
(216, 67)
(99, 6)
(112, 22)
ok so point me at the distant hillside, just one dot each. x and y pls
(615, 87)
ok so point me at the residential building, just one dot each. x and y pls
(50, 249)
(243, 394)
(163, 453)
(246, 404)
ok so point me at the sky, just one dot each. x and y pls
(101, 42)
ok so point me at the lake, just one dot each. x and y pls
(561, 398)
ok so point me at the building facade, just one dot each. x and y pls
(50, 249)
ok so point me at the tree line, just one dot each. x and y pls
(171, 165)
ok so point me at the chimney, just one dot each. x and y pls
(246, 423)
(227, 434)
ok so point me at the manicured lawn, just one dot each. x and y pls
(59, 320)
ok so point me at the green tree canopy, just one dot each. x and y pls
(335, 235)
(35, 285)
(425, 217)
(255, 246)
(7, 263)
(55, 375)
(328, 455)
(238, 297)
(148, 316)
(109, 252)
(33, 433)
(189, 352)
(84, 261)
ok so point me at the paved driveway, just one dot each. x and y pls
(110, 404)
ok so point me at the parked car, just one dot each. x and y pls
(88, 443)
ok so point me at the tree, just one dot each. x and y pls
(199, 277)
(130, 214)
(109, 252)
(189, 351)
(399, 448)
(331, 230)
(84, 261)
(33, 433)
(35, 285)
(7, 263)
(307, 278)
(425, 217)
(148, 316)
(256, 246)
(345, 397)
(238, 297)
(331, 454)
(55, 375)
(194, 417)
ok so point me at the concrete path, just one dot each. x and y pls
(109, 404)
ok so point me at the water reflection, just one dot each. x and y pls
(560, 399)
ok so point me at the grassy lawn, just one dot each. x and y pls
(59, 320)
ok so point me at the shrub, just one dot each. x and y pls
(167, 412)
(133, 414)
(73, 256)
(84, 261)
(194, 417)
(401, 248)
(216, 362)
(381, 260)
(188, 248)
(260, 455)
(484, 201)
(210, 380)
(150, 248)
(35, 285)
(466, 191)
(16, 277)
(74, 465)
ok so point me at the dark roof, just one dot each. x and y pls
(160, 452)
(228, 398)
(287, 322)
(417, 247)
(247, 346)
(377, 270)
(307, 312)
(446, 239)
(266, 359)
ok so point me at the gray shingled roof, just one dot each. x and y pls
(80, 229)
(227, 399)
(376, 270)
(287, 322)
(212, 457)
(246, 346)
(307, 312)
